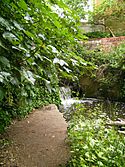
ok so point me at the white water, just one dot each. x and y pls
(67, 101)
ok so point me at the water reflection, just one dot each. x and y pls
(114, 110)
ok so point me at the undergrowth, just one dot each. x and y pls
(93, 144)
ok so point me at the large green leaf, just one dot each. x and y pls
(29, 76)
(5, 61)
(5, 23)
(11, 37)
(2, 93)
(22, 4)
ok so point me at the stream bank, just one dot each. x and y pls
(115, 111)
(96, 131)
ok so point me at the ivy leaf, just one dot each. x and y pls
(5, 61)
(2, 93)
(67, 70)
(28, 18)
(1, 78)
(5, 74)
(29, 76)
(22, 5)
(74, 62)
(54, 50)
(48, 85)
(5, 23)
(41, 36)
(14, 81)
(17, 25)
(59, 61)
(2, 45)
(11, 37)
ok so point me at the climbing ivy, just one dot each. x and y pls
(38, 40)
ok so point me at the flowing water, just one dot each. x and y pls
(67, 101)
(114, 110)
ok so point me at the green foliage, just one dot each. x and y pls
(33, 34)
(78, 6)
(109, 14)
(110, 9)
(77, 66)
(97, 34)
(113, 58)
(109, 71)
(92, 142)
(5, 119)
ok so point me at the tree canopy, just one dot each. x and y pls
(110, 8)
(78, 6)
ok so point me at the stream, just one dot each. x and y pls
(67, 100)
(114, 110)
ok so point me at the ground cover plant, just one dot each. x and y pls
(93, 144)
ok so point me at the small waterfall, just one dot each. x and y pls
(67, 101)
(65, 93)
(114, 110)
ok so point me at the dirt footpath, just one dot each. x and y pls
(37, 141)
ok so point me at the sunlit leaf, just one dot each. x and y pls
(11, 37)
(22, 4)
(2, 45)
(1, 78)
(48, 85)
(29, 76)
(17, 25)
(59, 61)
(5, 23)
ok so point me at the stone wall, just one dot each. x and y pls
(105, 44)
(86, 27)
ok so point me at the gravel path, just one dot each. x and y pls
(37, 141)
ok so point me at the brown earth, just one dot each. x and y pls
(37, 141)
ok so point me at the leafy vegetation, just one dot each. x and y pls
(100, 34)
(40, 50)
(92, 142)
(97, 34)
(78, 6)
(109, 73)
(38, 41)
(109, 13)
(109, 8)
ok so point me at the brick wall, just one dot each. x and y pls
(105, 44)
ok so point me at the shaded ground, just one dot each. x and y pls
(37, 141)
